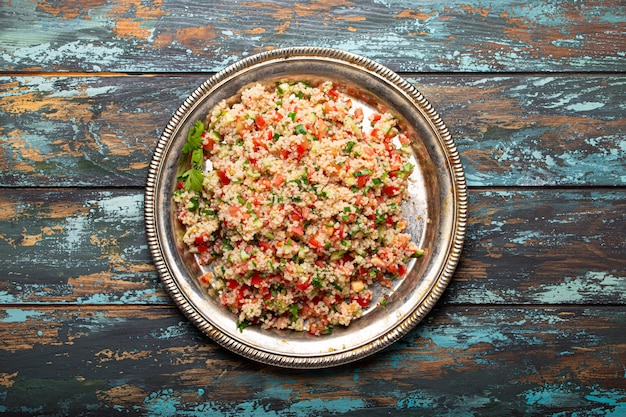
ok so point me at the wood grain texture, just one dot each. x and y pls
(459, 361)
(522, 247)
(533, 321)
(168, 35)
(519, 131)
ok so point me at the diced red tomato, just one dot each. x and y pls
(390, 190)
(333, 94)
(232, 284)
(199, 240)
(362, 180)
(264, 245)
(180, 185)
(240, 296)
(258, 143)
(208, 142)
(202, 248)
(256, 280)
(295, 214)
(302, 286)
(208, 145)
(278, 180)
(259, 121)
(297, 230)
(301, 148)
(264, 183)
(341, 231)
(223, 177)
(389, 135)
(363, 300)
(313, 242)
(401, 269)
(321, 129)
(390, 221)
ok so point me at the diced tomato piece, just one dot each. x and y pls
(256, 280)
(259, 143)
(298, 230)
(232, 284)
(233, 211)
(278, 180)
(223, 177)
(180, 185)
(401, 269)
(328, 108)
(295, 214)
(301, 148)
(333, 94)
(199, 240)
(341, 231)
(390, 190)
(390, 135)
(376, 117)
(390, 221)
(265, 245)
(313, 242)
(362, 180)
(363, 301)
(259, 121)
(302, 286)
(209, 145)
(321, 129)
(202, 248)
(240, 297)
(264, 183)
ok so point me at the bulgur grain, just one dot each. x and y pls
(299, 210)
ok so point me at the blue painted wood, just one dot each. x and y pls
(532, 323)
(533, 247)
(181, 36)
(460, 361)
(510, 131)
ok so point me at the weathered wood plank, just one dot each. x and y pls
(523, 247)
(101, 131)
(543, 247)
(133, 36)
(75, 246)
(496, 361)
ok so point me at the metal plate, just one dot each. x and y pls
(436, 209)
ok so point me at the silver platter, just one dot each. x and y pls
(436, 209)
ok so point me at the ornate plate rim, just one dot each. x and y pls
(452, 255)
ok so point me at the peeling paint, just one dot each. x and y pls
(583, 289)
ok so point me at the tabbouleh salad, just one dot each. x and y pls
(295, 202)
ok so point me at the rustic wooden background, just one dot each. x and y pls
(534, 320)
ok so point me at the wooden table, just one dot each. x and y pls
(533, 322)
